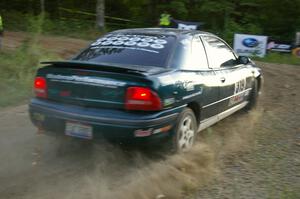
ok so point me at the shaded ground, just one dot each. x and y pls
(254, 155)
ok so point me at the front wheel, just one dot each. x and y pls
(185, 131)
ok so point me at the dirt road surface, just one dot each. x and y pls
(248, 155)
(62, 46)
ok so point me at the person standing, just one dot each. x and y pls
(1, 31)
(165, 20)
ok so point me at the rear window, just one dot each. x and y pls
(130, 49)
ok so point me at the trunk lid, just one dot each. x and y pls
(93, 84)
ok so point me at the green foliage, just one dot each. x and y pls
(15, 20)
(280, 58)
(17, 72)
(234, 27)
(278, 19)
(38, 24)
(19, 67)
(10, 87)
(178, 9)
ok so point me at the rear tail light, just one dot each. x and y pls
(141, 98)
(40, 87)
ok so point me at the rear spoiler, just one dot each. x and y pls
(132, 69)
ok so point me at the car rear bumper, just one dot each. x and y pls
(52, 116)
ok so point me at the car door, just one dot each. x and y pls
(234, 78)
(196, 78)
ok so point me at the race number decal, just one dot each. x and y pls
(238, 93)
(240, 86)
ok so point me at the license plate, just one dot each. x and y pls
(79, 130)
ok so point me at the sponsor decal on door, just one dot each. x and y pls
(238, 93)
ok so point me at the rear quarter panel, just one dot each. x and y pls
(179, 88)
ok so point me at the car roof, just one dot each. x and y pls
(163, 31)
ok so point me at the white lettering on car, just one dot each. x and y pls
(160, 41)
(130, 43)
(143, 44)
(125, 47)
(106, 43)
(94, 81)
(118, 43)
(131, 40)
(157, 46)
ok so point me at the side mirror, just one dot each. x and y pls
(243, 60)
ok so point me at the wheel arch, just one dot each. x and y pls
(195, 107)
(259, 80)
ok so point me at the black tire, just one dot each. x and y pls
(183, 141)
(253, 97)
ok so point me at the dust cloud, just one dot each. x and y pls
(103, 170)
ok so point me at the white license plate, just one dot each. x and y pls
(79, 130)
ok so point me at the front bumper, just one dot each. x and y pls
(52, 116)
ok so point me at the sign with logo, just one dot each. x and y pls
(250, 45)
(279, 47)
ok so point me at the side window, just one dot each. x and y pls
(218, 53)
(198, 58)
(190, 54)
(182, 53)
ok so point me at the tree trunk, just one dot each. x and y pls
(42, 7)
(100, 12)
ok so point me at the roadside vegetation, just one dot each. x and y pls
(224, 17)
(18, 66)
(17, 72)
(280, 58)
(15, 77)
(26, 22)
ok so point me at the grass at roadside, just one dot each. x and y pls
(17, 70)
(280, 58)
(83, 29)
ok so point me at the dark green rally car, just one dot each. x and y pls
(144, 84)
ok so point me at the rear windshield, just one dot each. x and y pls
(130, 49)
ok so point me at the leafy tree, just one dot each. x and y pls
(278, 19)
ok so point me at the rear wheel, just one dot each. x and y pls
(253, 97)
(185, 131)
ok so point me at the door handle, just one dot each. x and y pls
(222, 79)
